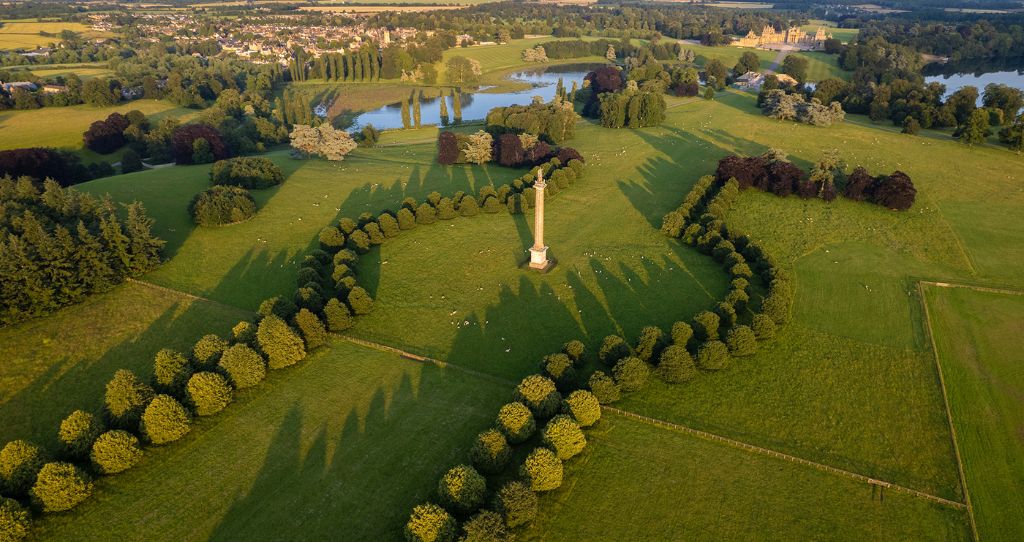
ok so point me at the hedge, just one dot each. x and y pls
(60, 487)
(115, 451)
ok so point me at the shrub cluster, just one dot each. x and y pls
(554, 122)
(773, 173)
(220, 205)
(253, 172)
(781, 105)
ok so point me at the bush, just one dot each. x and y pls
(574, 349)
(487, 526)
(388, 225)
(360, 301)
(631, 374)
(331, 239)
(491, 452)
(558, 367)
(171, 370)
(462, 489)
(243, 366)
(15, 521)
(126, 397)
(563, 435)
(77, 433)
(208, 393)
(253, 172)
(681, 333)
(164, 420)
(516, 421)
(705, 326)
(516, 503)
(713, 355)
(613, 348)
(115, 451)
(406, 219)
(583, 406)
(468, 206)
(430, 523)
(741, 341)
(208, 350)
(359, 241)
(650, 343)
(542, 470)
(726, 314)
(221, 205)
(312, 329)
(426, 214)
(676, 365)
(604, 388)
(20, 461)
(60, 487)
(539, 394)
(764, 327)
(279, 342)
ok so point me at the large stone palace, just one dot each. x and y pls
(793, 36)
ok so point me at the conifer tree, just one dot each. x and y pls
(444, 110)
(457, 105)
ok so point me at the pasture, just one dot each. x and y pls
(851, 383)
(31, 34)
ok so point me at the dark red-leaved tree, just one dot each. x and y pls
(783, 178)
(807, 189)
(40, 163)
(606, 79)
(538, 153)
(859, 185)
(510, 150)
(568, 153)
(746, 171)
(895, 191)
(185, 135)
(447, 148)
(103, 137)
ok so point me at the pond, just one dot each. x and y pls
(476, 105)
(978, 75)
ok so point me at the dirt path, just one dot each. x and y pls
(777, 62)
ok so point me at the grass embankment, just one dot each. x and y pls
(980, 341)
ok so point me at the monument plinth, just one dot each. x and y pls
(539, 251)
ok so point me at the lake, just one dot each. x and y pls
(476, 105)
(978, 75)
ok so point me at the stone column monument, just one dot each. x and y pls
(539, 251)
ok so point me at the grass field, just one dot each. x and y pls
(62, 127)
(25, 34)
(341, 446)
(845, 35)
(498, 60)
(979, 340)
(639, 482)
(850, 383)
(819, 65)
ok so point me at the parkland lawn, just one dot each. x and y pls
(850, 383)
(26, 33)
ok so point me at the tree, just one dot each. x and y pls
(430, 523)
(77, 433)
(311, 328)
(705, 325)
(183, 140)
(131, 162)
(406, 120)
(583, 406)
(539, 394)
(255, 172)
(895, 191)
(20, 462)
(681, 333)
(715, 73)
(60, 487)
(100, 92)
(676, 365)
(416, 98)
(486, 526)
(763, 327)
(563, 435)
(795, 67)
(713, 355)
(457, 105)
(243, 366)
(748, 62)
(478, 147)
(490, 452)
(559, 368)
(603, 387)
(360, 301)
(741, 341)
(222, 205)
(106, 136)
(462, 489)
(323, 140)
(516, 421)
(574, 349)
(542, 470)
(516, 503)
(975, 130)
(164, 420)
(15, 521)
(613, 348)
(126, 397)
(631, 374)
(447, 148)
(115, 451)
(1005, 98)
(208, 393)
(444, 110)
(279, 342)
(963, 104)
(650, 343)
